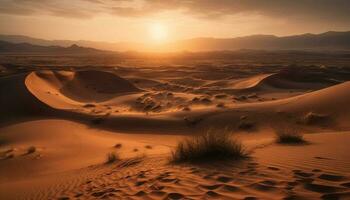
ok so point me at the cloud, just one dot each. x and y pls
(307, 10)
(287, 9)
(69, 9)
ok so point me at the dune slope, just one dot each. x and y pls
(17, 102)
(64, 89)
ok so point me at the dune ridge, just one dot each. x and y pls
(63, 88)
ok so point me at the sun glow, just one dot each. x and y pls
(158, 32)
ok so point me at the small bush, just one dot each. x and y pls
(212, 145)
(31, 149)
(289, 136)
(112, 157)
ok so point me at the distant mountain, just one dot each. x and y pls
(324, 41)
(66, 43)
(8, 47)
(329, 41)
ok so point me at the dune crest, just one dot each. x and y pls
(66, 90)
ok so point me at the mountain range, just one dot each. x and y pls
(328, 41)
(9, 47)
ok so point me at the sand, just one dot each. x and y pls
(59, 126)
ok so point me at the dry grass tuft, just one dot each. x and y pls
(212, 145)
(112, 157)
(289, 136)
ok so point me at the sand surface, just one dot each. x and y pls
(74, 118)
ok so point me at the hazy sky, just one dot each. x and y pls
(167, 20)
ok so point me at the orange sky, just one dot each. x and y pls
(163, 21)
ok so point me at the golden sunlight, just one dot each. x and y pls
(158, 32)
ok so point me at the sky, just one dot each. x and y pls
(169, 20)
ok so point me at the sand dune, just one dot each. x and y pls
(73, 119)
(240, 83)
(331, 99)
(17, 102)
(319, 173)
(266, 82)
(62, 89)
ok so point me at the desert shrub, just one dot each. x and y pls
(212, 145)
(31, 149)
(289, 136)
(112, 157)
(148, 146)
(315, 118)
(118, 146)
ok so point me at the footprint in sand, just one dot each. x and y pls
(230, 188)
(157, 193)
(331, 177)
(224, 179)
(140, 193)
(273, 168)
(63, 198)
(175, 196)
(302, 174)
(211, 187)
(140, 183)
(212, 194)
(321, 188)
(266, 185)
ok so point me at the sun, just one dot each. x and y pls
(158, 32)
